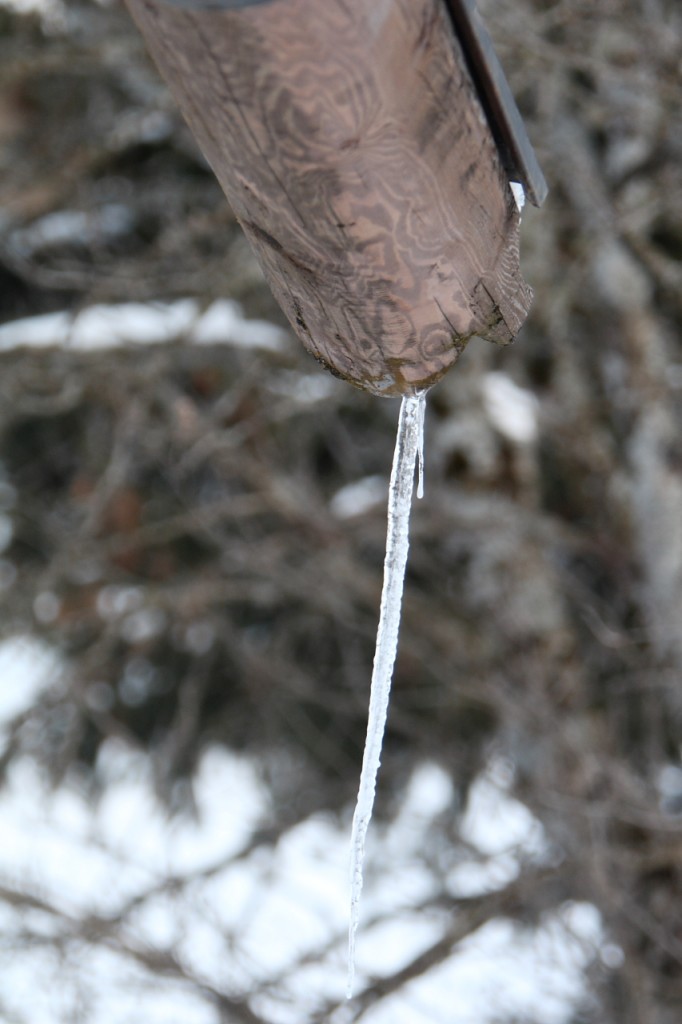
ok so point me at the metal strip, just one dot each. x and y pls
(516, 152)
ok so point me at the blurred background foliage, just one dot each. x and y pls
(177, 525)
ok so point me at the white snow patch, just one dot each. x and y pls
(230, 802)
(102, 327)
(224, 323)
(359, 497)
(26, 667)
(428, 794)
(286, 918)
(132, 323)
(503, 971)
(43, 331)
(496, 823)
(111, 220)
(390, 945)
(105, 327)
(500, 830)
(52, 12)
(511, 409)
(248, 916)
(42, 845)
(307, 388)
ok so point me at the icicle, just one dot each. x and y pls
(408, 448)
(420, 443)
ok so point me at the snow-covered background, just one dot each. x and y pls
(192, 521)
(106, 894)
(119, 914)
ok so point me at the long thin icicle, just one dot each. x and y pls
(409, 446)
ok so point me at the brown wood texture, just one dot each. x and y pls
(351, 145)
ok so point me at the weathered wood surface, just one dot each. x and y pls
(350, 143)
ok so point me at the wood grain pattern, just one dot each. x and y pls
(349, 141)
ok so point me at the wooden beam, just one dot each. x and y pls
(350, 141)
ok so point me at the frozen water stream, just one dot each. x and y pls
(408, 450)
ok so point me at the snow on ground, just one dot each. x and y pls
(247, 918)
(358, 497)
(511, 409)
(102, 327)
(501, 973)
(46, 8)
(26, 668)
(109, 221)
